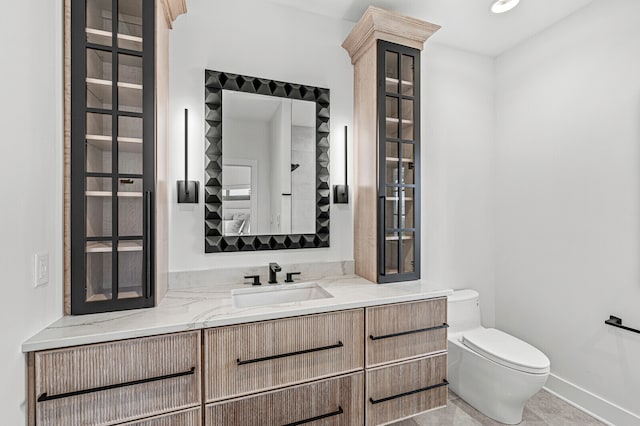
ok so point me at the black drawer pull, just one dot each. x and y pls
(306, 351)
(313, 419)
(400, 395)
(422, 330)
(45, 397)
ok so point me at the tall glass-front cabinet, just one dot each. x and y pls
(385, 51)
(113, 167)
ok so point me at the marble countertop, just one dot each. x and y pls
(203, 307)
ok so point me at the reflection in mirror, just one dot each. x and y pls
(268, 165)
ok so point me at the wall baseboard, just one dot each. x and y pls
(603, 410)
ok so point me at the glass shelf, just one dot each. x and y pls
(391, 80)
(99, 95)
(107, 247)
(397, 238)
(402, 160)
(104, 38)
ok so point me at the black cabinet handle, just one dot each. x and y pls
(400, 395)
(44, 397)
(306, 351)
(403, 333)
(147, 240)
(381, 241)
(320, 417)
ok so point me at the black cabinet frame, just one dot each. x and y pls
(79, 174)
(383, 275)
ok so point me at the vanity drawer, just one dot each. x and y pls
(254, 357)
(405, 389)
(116, 382)
(406, 330)
(192, 417)
(336, 401)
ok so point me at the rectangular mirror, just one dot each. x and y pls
(267, 164)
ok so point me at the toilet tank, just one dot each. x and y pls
(463, 310)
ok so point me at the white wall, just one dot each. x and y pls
(287, 44)
(265, 40)
(30, 184)
(457, 171)
(567, 201)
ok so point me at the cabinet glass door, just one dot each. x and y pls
(399, 171)
(114, 139)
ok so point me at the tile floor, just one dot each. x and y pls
(542, 409)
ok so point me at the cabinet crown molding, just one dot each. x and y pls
(173, 9)
(379, 24)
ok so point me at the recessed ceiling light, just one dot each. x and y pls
(501, 6)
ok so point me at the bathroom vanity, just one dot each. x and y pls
(364, 355)
(348, 353)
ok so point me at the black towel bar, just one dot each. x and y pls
(617, 322)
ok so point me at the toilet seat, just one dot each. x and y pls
(506, 350)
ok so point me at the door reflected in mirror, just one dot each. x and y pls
(268, 165)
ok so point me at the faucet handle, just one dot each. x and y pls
(256, 279)
(290, 275)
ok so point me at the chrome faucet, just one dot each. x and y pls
(273, 268)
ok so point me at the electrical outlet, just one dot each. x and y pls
(41, 276)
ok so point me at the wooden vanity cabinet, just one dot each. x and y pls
(406, 361)
(336, 401)
(405, 389)
(405, 330)
(118, 382)
(191, 417)
(260, 356)
(372, 366)
(385, 51)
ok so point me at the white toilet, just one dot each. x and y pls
(493, 371)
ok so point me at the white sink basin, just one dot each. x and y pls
(277, 293)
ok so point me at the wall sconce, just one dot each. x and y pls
(341, 192)
(187, 189)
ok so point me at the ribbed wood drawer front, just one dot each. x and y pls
(405, 330)
(405, 389)
(115, 382)
(253, 357)
(334, 402)
(192, 417)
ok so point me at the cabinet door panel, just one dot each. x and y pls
(406, 389)
(328, 402)
(114, 382)
(192, 417)
(398, 227)
(254, 357)
(405, 330)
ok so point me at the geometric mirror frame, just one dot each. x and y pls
(215, 241)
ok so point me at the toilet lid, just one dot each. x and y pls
(506, 350)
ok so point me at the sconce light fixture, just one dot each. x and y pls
(187, 189)
(341, 192)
